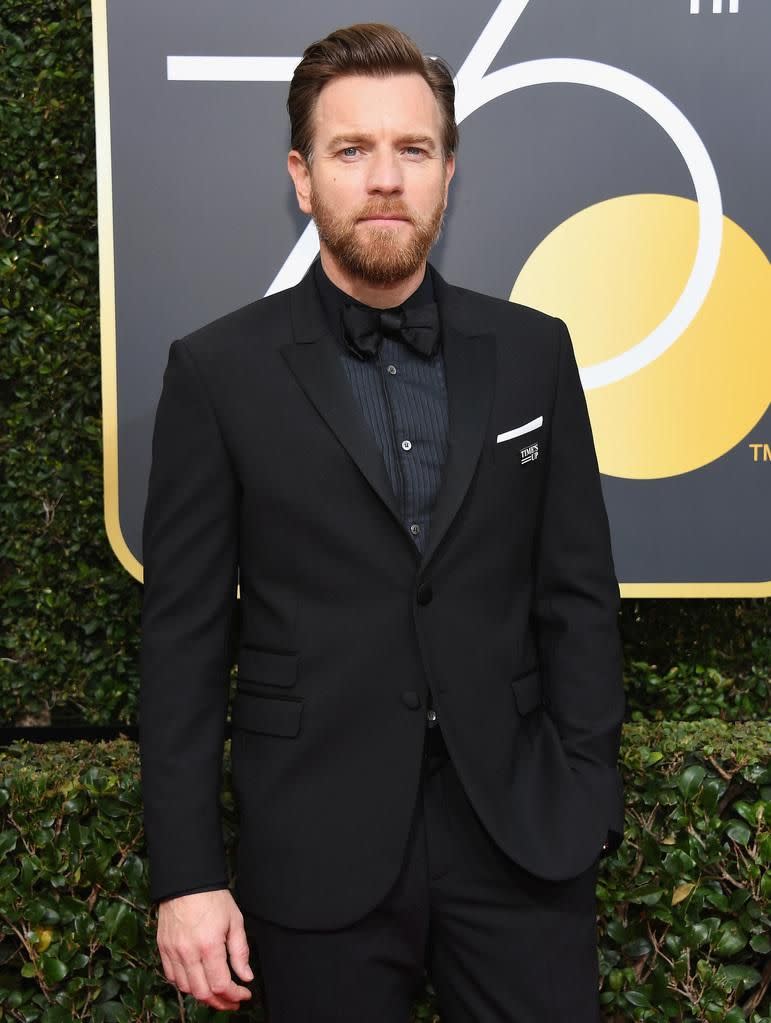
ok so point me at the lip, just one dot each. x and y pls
(381, 220)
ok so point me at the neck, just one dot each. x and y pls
(379, 296)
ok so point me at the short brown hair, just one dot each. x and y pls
(367, 49)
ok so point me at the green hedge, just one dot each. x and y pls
(684, 904)
(70, 614)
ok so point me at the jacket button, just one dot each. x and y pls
(411, 699)
(425, 594)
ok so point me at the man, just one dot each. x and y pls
(400, 475)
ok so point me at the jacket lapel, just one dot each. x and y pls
(469, 366)
(315, 361)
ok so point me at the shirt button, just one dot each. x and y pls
(391, 370)
(406, 444)
(415, 529)
(431, 716)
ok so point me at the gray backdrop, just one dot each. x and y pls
(204, 216)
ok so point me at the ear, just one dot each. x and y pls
(449, 170)
(300, 174)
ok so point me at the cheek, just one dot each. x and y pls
(433, 193)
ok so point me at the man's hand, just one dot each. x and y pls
(194, 932)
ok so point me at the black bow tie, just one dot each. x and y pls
(416, 326)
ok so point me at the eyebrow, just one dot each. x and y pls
(357, 138)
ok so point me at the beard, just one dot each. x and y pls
(372, 254)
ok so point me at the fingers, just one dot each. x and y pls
(209, 985)
(207, 980)
(192, 934)
(238, 948)
(168, 970)
(214, 966)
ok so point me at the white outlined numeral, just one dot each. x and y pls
(475, 86)
(717, 6)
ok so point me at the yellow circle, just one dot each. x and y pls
(613, 272)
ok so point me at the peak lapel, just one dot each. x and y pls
(315, 361)
(469, 363)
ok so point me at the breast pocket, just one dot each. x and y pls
(519, 445)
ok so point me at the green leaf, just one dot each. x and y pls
(761, 943)
(637, 998)
(54, 969)
(8, 841)
(739, 833)
(616, 930)
(737, 978)
(748, 811)
(111, 1012)
(121, 923)
(57, 1014)
(642, 892)
(673, 943)
(731, 939)
(711, 791)
(717, 899)
(690, 779)
(765, 885)
(679, 864)
(133, 868)
(739, 897)
(636, 948)
(734, 1015)
(764, 848)
(702, 930)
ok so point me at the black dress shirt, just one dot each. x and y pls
(403, 398)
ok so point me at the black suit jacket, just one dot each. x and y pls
(264, 472)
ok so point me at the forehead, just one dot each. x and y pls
(369, 105)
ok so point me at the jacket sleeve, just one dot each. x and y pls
(576, 593)
(190, 552)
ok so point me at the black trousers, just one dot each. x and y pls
(499, 944)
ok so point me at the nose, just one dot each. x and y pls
(385, 173)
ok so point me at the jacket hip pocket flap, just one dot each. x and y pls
(267, 667)
(527, 691)
(267, 715)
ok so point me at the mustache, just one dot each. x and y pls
(378, 208)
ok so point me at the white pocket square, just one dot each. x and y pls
(525, 428)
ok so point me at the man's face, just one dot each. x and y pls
(377, 184)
